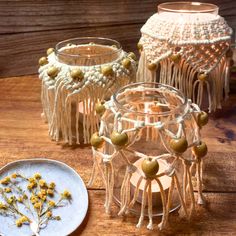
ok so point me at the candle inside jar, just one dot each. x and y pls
(87, 55)
(156, 195)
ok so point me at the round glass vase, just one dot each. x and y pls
(76, 75)
(187, 45)
(148, 135)
(149, 104)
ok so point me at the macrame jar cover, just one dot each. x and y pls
(187, 45)
(76, 76)
(155, 125)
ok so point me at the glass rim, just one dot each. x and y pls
(115, 50)
(165, 113)
(164, 7)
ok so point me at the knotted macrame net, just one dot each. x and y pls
(69, 102)
(140, 123)
(179, 48)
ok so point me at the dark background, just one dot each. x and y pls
(28, 28)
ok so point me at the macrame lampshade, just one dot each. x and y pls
(187, 45)
(76, 78)
(149, 152)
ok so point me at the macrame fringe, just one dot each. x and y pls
(155, 128)
(65, 110)
(184, 77)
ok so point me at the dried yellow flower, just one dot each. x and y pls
(50, 192)
(51, 203)
(18, 223)
(32, 185)
(34, 199)
(3, 206)
(7, 190)
(43, 191)
(52, 185)
(32, 180)
(14, 175)
(38, 205)
(38, 198)
(6, 180)
(20, 199)
(42, 196)
(37, 176)
(24, 219)
(57, 218)
(42, 183)
(66, 194)
(10, 200)
(49, 214)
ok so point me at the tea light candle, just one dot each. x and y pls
(156, 195)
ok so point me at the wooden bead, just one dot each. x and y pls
(139, 46)
(150, 167)
(52, 71)
(175, 58)
(77, 74)
(96, 140)
(50, 50)
(152, 66)
(200, 150)
(132, 56)
(119, 139)
(179, 145)
(202, 77)
(202, 118)
(100, 108)
(43, 61)
(126, 63)
(107, 70)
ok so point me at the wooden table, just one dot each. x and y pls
(24, 135)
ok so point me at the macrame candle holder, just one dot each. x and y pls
(77, 76)
(187, 45)
(149, 152)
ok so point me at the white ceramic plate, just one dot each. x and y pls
(65, 177)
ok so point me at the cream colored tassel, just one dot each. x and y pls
(150, 224)
(183, 204)
(163, 199)
(201, 199)
(192, 208)
(136, 191)
(144, 198)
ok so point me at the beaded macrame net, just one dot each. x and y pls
(69, 104)
(201, 42)
(156, 128)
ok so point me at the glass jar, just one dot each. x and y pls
(76, 75)
(187, 45)
(149, 127)
(187, 7)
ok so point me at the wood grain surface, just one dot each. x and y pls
(28, 28)
(24, 135)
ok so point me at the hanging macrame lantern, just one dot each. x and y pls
(77, 76)
(187, 45)
(149, 152)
